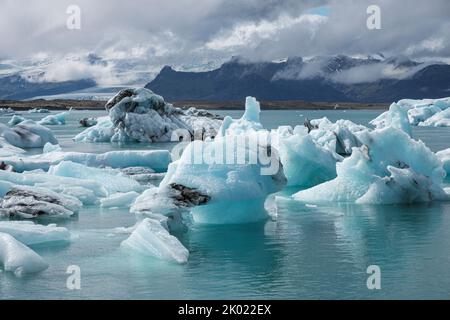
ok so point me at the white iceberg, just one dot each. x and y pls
(102, 131)
(54, 119)
(157, 160)
(56, 183)
(150, 238)
(305, 163)
(16, 119)
(48, 147)
(444, 156)
(409, 171)
(30, 233)
(18, 258)
(222, 181)
(38, 110)
(142, 116)
(441, 119)
(396, 117)
(112, 180)
(426, 112)
(8, 150)
(27, 134)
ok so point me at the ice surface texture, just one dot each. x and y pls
(426, 112)
(150, 238)
(18, 258)
(27, 134)
(390, 167)
(30, 233)
(157, 160)
(57, 119)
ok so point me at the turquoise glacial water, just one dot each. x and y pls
(306, 253)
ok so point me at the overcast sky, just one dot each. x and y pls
(187, 32)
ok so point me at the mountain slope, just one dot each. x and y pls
(312, 80)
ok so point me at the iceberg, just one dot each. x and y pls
(444, 156)
(426, 112)
(32, 202)
(150, 238)
(56, 119)
(305, 163)
(6, 111)
(16, 119)
(157, 160)
(27, 134)
(140, 115)
(56, 183)
(18, 258)
(441, 119)
(48, 147)
(112, 180)
(88, 122)
(390, 167)
(102, 131)
(8, 150)
(30, 233)
(38, 110)
(143, 175)
(220, 181)
(396, 117)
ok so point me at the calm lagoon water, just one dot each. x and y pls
(307, 253)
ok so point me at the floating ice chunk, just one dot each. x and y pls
(142, 175)
(441, 119)
(383, 150)
(30, 233)
(16, 119)
(426, 112)
(402, 186)
(161, 200)
(396, 117)
(86, 196)
(6, 111)
(339, 138)
(88, 122)
(100, 132)
(444, 156)
(221, 193)
(111, 180)
(247, 124)
(420, 114)
(18, 258)
(35, 110)
(51, 181)
(119, 200)
(140, 115)
(56, 119)
(5, 186)
(157, 160)
(48, 147)
(305, 163)
(8, 150)
(150, 238)
(27, 134)
(32, 202)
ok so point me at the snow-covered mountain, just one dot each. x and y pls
(373, 78)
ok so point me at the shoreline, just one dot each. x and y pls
(207, 105)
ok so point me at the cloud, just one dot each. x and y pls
(148, 34)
